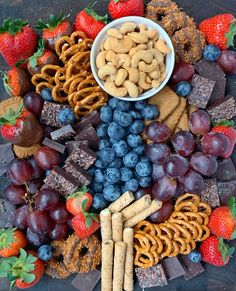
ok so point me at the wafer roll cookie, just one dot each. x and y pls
(128, 238)
(105, 220)
(117, 226)
(122, 202)
(119, 266)
(136, 207)
(155, 205)
(107, 265)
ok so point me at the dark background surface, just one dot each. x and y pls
(213, 279)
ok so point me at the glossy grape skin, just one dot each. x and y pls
(19, 171)
(157, 131)
(36, 239)
(215, 144)
(227, 61)
(37, 172)
(162, 214)
(39, 222)
(46, 199)
(34, 185)
(157, 171)
(182, 72)
(142, 191)
(20, 217)
(204, 164)
(193, 182)
(175, 166)
(183, 143)
(59, 214)
(200, 122)
(47, 158)
(14, 194)
(164, 189)
(180, 189)
(59, 231)
(33, 102)
(157, 152)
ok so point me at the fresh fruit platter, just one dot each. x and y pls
(118, 140)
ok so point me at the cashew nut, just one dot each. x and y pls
(127, 27)
(138, 37)
(162, 47)
(101, 59)
(151, 33)
(143, 55)
(137, 48)
(162, 67)
(120, 46)
(114, 33)
(163, 76)
(157, 55)
(156, 83)
(120, 77)
(106, 44)
(114, 91)
(142, 27)
(131, 88)
(148, 68)
(155, 74)
(111, 57)
(148, 80)
(150, 44)
(142, 81)
(123, 60)
(133, 74)
(107, 70)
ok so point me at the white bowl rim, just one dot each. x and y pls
(136, 19)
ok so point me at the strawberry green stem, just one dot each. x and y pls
(89, 10)
(5, 83)
(13, 26)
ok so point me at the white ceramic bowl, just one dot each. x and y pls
(169, 60)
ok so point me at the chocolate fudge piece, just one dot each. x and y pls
(201, 91)
(173, 268)
(63, 133)
(210, 70)
(226, 190)
(86, 281)
(191, 269)
(89, 133)
(83, 157)
(78, 173)
(151, 277)
(7, 210)
(54, 145)
(92, 118)
(223, 109)
(73, 144)
(226, 170)
(61, 181)
(210, 193)
(6, 156)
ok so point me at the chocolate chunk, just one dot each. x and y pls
(54, 145)
(210, 193)
(191, 269)
(73, 144)
(61, 181)
(89, 133)
(201, 91)
(7, 210)
(226, 190)
(223, 109)
(218, 92)
(63, 133)
(210, 70)
(151, 277)
(78, 173)
(83, 157)
(6, 156)
(86, 281)
(226, 170)
(173, 268)
(92, 118)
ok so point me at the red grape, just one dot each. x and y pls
(47, 130)
(227, 61)
(157, 131)
(34, 185)
(36, 239)
(59, 231)
(200, 122)
(19, 171)
(20, 217)
(182, 72)
(39, 222)
(157, 152)
(59, 214)
(142, 191)
(14, 194)
(33, 102)
(183, 143)
(175, 166)
(180, 189)
(204, 164)
(157, 171)
(47, 158)
(69, 221)
(46, 199)
(193, 182)
(215, 144)
(37, 172)
(162, 214)
(164, 189)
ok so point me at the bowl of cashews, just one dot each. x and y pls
(132, 58)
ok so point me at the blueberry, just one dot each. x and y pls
(139, 150)
(143, 169)
(112, 175)
(100, 164)
(120, 148)
(134, 140)
(139, 105)
(144, 159)
(99, 201)
(98, 176)
(66, 116)
(106, 113)
(112, 102)
(195, 256)
(131, 185)
(112, 140)
(104, 143)
(150, 112)
(91, 171)
(122, 105)
(125, 119)
(126, 174)
(107, 155)
(115, 131)
(183, 88)
(45, 252)
(111, 192)
(211, 53)
(117, 163)
(137, 126)
(145, 182)
(131, 159)
(135, 114)
(97, 187)
(116, 115)
(102, 130)
(46, 94)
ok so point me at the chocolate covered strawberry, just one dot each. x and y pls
(122, 8)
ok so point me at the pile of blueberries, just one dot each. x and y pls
(121, 164)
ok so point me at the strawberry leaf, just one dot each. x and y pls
(227, 123)
(18, 64)
(233, 236)
(28, 278)
(84, 203)
(88, 222)
(89, 10)
(30, 259)
(13, 26)
(78, 193)
(116, 1)
(5, 266)
(23, 255)
(225, 250)
(232, 206)
(230, 35)
(53, 21)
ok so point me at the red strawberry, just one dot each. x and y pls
(122, 8)
(215, 252)
(18, 41)
(225, 127)
(219, 30)
(54, 29)
(78, 201)
(90, 22)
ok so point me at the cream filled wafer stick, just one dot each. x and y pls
(107, 265)
(105, 221)
(155, 205)
(128, 237)
(117, 226)
(119, 266)
(122, 202)
(136, 207)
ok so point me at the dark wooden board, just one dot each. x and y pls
(213, 279)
